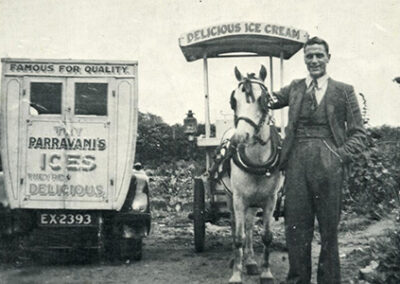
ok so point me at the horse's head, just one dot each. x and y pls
(249, 102)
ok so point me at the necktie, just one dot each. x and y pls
(311, 93)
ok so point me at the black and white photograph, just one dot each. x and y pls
(200, 141)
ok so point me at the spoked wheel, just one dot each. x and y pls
(199, 215)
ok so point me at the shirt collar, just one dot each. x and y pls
(321, 80)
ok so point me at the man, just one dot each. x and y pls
(324, 131)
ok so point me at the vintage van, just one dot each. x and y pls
(68, 135)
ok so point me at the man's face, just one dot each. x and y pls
(316, 59)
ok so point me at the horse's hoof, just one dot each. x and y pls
(235, 281)
(252, 269)
(236, 278)
(267, 281)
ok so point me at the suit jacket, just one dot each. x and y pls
(343, 113)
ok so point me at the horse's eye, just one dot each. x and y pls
(243, 89)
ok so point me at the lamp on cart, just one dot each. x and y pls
(190, 126)
(190, 130)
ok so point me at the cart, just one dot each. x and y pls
(68, 136)
(238, 39)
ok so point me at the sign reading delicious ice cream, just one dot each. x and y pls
(241, 28)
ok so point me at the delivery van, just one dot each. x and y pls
(68, 136)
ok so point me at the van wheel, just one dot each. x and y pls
(138, 248)
(131, 249)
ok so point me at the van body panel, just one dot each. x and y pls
(68, 132)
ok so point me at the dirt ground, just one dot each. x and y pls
(169, 257)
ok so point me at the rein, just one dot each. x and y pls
(257, 127)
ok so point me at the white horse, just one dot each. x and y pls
(254, 178)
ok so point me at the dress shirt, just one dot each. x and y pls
(322, 85)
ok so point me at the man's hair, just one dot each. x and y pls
(317, 40)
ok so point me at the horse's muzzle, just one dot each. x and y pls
(240, 138)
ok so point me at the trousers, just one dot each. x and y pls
(313, 188)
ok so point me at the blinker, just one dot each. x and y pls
(233, 101)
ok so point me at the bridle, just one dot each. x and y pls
(238, 149)
(263, 101)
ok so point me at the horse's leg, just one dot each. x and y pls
(233, 229)
(249, 260)
(266, 276)
(238, 240)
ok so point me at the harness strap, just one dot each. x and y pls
(252, 81)
(257, 127)
(240, 159)
(261, 83)
(239, 156)
(248, 120)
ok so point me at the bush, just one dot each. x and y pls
(389, 143)
(171, 189)
(373, 185)
(374, 179)
(159, 143)
(386, 252)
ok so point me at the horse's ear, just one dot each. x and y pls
(263, 73)
(238, 75)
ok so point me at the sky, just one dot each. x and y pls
(364, 39)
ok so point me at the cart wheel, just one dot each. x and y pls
(198, 215)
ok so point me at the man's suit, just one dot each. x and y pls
(343, 114)
(318, 146)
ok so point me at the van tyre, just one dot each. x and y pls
(138, 248)
(131, 249)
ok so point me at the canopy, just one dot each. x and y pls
(258, 39)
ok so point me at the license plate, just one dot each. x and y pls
(67, 219)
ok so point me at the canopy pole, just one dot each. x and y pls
(207, 107)
(206, 97)
(271, 76)
(281, 86)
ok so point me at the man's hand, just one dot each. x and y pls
(271, 100)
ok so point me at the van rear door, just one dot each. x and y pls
(67, 141)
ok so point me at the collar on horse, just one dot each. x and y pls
(239, 157)
(271, 165)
